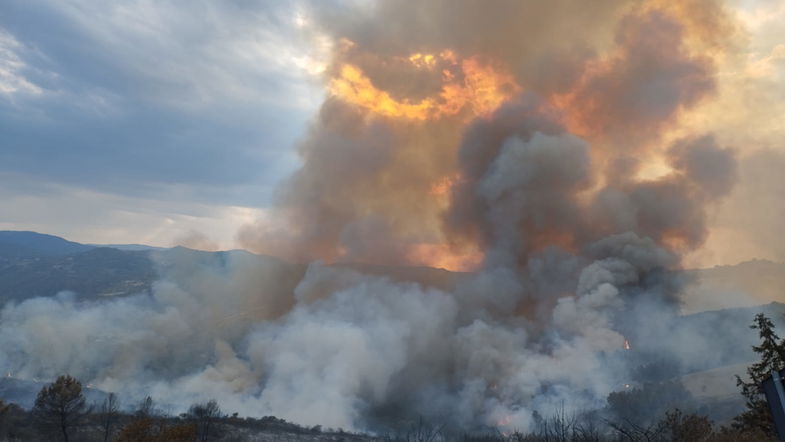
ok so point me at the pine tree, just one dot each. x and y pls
(757, 418)
(109, 412)
(61, 404)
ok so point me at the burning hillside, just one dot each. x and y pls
(537, 145)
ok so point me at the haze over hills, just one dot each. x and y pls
(34, 264)
(744, 284)
(37, 265)
(46, 269)
(32, 244)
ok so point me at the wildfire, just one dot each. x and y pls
(441, 256)
(423, 60)
(504, 421)
(353, 86)
(467, 85)
(443, 186)
(459, 88)
(626, 344)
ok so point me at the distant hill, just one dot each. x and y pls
(745, 284)
(15, 244)
(93, 273)
(44, 265)
(23, 392)
(130, 247)
(35, 264)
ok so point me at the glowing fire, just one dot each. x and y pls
(423, 60)
(626, 344)
(467, 85)
(443, 186)
(353, 86)
(440, 256)
(504, 421)
(463, 88)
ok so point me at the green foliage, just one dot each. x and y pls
(771, 350)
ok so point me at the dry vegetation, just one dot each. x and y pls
(650, 412)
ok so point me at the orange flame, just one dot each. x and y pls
(468, 86)
(441, 256)
(442, 186)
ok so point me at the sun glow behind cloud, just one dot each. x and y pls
(569, 156)
(233, 72)
(468, 85)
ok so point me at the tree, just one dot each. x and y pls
(4, 409)
(757, 418)
(679, 426)
(644, 405)
(146, 407)
(61, 404)
(109, 414)
(204, 414)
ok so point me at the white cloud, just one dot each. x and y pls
(198, 54)
(127, 114)
(11, 66)
(95, 217)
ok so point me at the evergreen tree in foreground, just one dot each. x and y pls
(61, 404)
(757, 418)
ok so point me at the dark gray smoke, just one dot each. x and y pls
(578, 250)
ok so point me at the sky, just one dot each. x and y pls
(149, 122)
(172, 122)
(548, 148)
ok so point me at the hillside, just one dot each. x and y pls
(706, 347)
(15, 244)
(93, 273)
(719, 303)
(745, 284)
(34, 264)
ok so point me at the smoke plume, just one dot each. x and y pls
(534, 146)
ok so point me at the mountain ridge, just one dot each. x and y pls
(35, 264)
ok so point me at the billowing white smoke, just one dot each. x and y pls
(534, 330)
(366, 348)
(579, 252)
